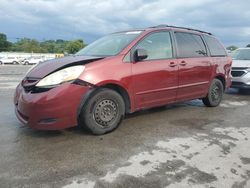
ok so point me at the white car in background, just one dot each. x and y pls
(32, 60)
(241, 68)
(9, 60)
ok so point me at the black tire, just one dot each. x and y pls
(102, 112)
(215, 94)
(1, 63)
(26, 63)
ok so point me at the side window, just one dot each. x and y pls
(215, 48)
(127, 59)
(158, 46)
(190, 45)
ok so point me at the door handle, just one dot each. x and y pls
(172, 64)
(183, 63)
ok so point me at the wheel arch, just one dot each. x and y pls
(110, 85)
(222, 79)
(122, 91)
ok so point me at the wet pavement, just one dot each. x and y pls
(180, 145)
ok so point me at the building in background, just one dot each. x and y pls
(21, 55)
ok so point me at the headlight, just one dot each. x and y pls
(61, 76)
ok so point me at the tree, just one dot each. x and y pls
(232, 47)
(4, 44)
(54, 46)
(26, 45)
(60, 46)
(74, 46)
(248, 46)
(48, 46)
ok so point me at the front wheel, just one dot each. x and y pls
(103, 112)
(215, 94)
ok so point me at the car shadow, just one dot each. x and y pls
(234, 91)
(81, 131)
(26, 131)
(195, 103)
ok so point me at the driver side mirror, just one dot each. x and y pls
(140, 54)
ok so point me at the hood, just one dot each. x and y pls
(45, 68)
(241, 63)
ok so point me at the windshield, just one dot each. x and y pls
(109, 45)
(241, 54)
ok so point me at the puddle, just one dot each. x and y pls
(81, 184)
(231, 104)
(196, 123)
(191, 161)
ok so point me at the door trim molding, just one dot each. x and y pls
(156, 90)
(194, 84)
(170, 88)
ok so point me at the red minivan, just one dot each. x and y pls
(122, 73)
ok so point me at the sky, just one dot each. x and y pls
(229, 20)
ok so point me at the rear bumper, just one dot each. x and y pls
(51, 110)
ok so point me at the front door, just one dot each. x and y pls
(155, 79)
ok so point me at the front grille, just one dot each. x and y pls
(237, 73)
(39, 90)
(28, 88)
(29, 83)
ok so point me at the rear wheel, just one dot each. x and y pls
(103, 112)
(215, 94)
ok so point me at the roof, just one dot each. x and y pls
(163, 27)
(176, 27)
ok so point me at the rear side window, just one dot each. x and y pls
(158, 46)
(190, 45)
(215, 48)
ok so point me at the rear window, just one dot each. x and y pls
(190, 45)
(215, 47)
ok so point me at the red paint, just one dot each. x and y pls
(148, 84)
(60, 103)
